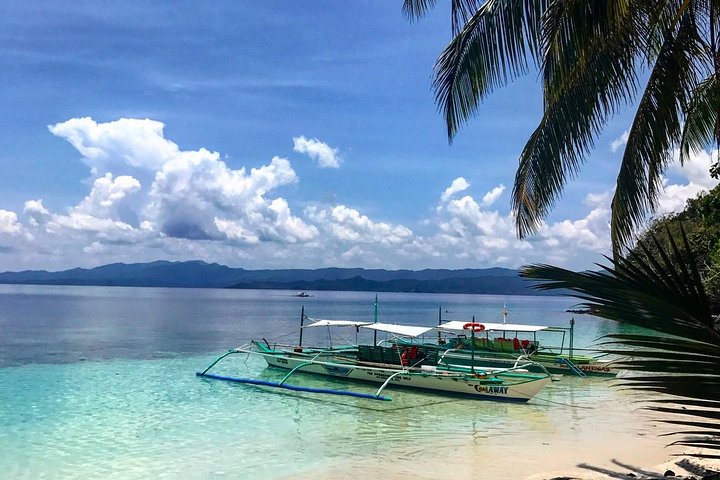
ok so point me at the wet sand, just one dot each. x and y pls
(598, 432)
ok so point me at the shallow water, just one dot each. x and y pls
(99, 383)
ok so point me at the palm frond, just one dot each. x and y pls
(582, 87)
(679, 364)
(415, 9)
(702, 121)
(461, 10)
(492, 48)
(656, 129)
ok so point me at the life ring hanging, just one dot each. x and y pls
(474, 326)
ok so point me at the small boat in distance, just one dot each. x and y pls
(302, 294)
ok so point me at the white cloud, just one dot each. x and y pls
(621, 141)
(147, 199)
(326, 156)
(196, 196)
(36, 212)
(106, 193)
(493, 195)
(278, 225)
(696, 172)
(9, 222)
(349, 225)
(135, 142)
(458, 185)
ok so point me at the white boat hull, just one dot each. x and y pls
(514, 387)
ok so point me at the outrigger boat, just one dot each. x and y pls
(503, 344)
(389, 366)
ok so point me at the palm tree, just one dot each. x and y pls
(591, 55)
(663, 293)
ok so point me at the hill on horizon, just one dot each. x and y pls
(199, 274)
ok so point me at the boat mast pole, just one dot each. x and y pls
(472, 346)
(302, 319)
(439, 324)
(572, 334)
(376, 318)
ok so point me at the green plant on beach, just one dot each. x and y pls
(593, 57)
(662, 292)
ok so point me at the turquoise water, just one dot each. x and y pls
(100, 383)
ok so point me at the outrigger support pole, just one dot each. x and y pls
(295, 388)
(377, 394)
(229, 352)
(304, 364)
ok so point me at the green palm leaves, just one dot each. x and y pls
(593, 57)
(663, 293)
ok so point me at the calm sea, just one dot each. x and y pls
(100, 382)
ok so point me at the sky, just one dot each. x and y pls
(271, 134)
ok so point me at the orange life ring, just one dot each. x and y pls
(474, 326)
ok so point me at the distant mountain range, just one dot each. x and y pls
(197, 274)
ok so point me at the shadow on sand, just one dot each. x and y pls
(686, 468)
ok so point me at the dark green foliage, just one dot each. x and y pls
(658, 290)
(701, 221)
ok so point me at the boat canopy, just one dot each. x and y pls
(457, 326)
(335, 323)
(404, 330)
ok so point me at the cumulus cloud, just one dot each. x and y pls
(106, 193)
(621, 141)
(148, 199)
(458, 185)
(196, 196)
(493, 195)
(9, 222)
(326, 156)
(469, 231)
(349, 225)
(164, 203)
(695, 175)
(135, 142)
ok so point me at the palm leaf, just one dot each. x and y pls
(461, 10)
(588, 73)
(656, 129)
(491, 49)
(679, 364)
(702, 122)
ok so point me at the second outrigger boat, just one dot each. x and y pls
(502, 344)
(390, 366)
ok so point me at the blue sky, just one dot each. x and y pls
(269, 135)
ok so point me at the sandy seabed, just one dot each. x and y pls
(604, 434)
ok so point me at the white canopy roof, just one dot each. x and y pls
(336, 323)
(457, 326)
(405, 330)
